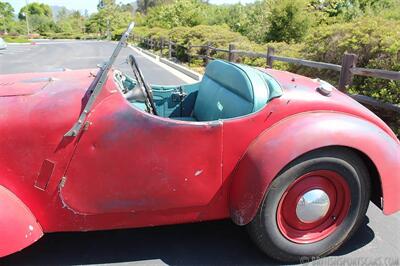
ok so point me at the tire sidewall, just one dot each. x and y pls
(277, 189)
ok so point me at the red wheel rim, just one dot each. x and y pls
(338, 192)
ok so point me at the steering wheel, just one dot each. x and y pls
(142, 91)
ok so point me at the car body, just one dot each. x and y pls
(3, 44)
(122, 167)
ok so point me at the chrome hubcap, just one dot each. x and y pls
(312, 206)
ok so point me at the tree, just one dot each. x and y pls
(256, 21)
(41, 24)
(40, 17)
(130, 7)
(38, 9)
(70, 21)
(6, 15)
(144, 5)
(347, 10)
(62, 14)
(180, 13)
(288, 21)
(6, 10)
(332, 8)
(111, 18)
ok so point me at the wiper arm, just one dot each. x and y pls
(141, 83)
(98, 83)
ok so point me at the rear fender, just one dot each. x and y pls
(18, 226)
(302, 133)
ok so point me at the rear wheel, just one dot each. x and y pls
(312, 206)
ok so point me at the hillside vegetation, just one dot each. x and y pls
(320, 30)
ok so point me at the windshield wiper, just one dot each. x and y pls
(98, 82)
(143, 86)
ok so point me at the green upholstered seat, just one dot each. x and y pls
(230, 90)
(227, 90)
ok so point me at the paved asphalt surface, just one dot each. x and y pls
(56, 55)
(211, 243)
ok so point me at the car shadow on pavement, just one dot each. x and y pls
(362, 237)
(210, 243)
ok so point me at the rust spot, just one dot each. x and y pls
(64, 204)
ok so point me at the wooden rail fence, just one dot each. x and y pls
(348, 69)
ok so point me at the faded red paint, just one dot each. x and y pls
(131, 169)
(142, 162)
(18, 227)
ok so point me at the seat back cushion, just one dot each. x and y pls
(225, 91)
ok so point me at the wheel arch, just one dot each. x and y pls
(376, 195)
(314, 131)
(18, 226)
(374, 176)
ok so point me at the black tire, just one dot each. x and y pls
(264, 229)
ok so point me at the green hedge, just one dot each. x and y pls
(219, 36)
(376, 41)
(15, 39)
(68, 35)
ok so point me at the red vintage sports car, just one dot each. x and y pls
(292, 158)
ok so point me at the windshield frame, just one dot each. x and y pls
(97, 85)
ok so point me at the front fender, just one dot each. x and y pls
(18, 226)
(299, 134)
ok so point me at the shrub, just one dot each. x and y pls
(217, 35)
(15, 39)
(375, 40)
(288, 21)
(179, 13)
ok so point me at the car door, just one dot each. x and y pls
(127, 160)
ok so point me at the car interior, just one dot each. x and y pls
(227, 90)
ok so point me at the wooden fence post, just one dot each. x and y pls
(188, 52)
(161, 46)
(231, 55)
(270, 53)
(169, 49)
(349, 61)
(207, 53)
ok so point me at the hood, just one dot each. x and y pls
(39, 101)
(20, 87)
(27, 84)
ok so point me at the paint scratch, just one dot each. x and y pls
(198, 172)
